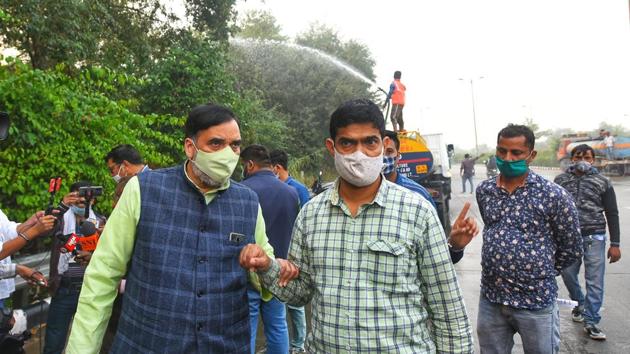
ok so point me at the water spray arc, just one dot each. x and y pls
(329, 58)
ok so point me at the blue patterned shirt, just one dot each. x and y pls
(528, 237)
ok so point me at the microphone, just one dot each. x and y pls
(85, 240)
(89, 236)
(70, 243)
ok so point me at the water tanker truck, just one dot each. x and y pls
(425, 159)
(619, 164)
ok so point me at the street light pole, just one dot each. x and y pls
(472, 96)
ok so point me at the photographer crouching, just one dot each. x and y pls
(68, 262)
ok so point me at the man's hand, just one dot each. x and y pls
(253, 258)
(614, 253)
(288, 272)
(463, 230)
(44, 225)
(31, 276)
(83, 257)
(30, 222)
(73, 198)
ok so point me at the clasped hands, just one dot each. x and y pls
(254, 259)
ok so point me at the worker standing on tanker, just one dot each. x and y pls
(397, 95)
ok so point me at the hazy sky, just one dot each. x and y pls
(565, 62)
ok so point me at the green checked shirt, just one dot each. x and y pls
(375, 280)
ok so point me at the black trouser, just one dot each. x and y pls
(397, 117)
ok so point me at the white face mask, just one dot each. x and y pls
(357, 168)
(118, 177)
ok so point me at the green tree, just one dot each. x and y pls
(114, 33)
(304, 86)
(61, 126)
(213, 17)
(259, 24)
(529, 122)
(49, 32)
(194, 72)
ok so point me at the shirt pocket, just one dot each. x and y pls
(387, 265)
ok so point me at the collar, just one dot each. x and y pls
(223, 187)
(379, 199)
(532, 178)
(262, 172)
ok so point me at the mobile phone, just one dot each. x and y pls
(90, 191)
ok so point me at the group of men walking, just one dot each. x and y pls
(204, 256)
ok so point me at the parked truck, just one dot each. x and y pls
(425, 159)
(618, 164)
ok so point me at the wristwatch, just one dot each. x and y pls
(453, 249)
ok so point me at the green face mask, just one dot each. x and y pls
(512, 168)
(217, 165)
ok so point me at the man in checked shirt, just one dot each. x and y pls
(531, 233)
(372, 256)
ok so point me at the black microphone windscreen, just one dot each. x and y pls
(88, 228)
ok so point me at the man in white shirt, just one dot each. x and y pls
(14, 236)
(609, 141)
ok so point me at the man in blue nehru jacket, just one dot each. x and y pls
(177, 233)
(280, 205)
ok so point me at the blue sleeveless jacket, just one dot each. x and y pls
(185, 291)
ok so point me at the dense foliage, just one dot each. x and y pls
(98, 74)
(91, 75)
(63, 126)
(299, 80)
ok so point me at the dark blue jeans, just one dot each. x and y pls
(274, 318)
(62, 308)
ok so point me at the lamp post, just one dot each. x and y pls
(472, 95)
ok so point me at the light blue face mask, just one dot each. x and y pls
(77, 210)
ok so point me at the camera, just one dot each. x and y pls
(90, 191)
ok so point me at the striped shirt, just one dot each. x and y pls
(375, 280)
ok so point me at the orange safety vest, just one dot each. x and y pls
(398, 97)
